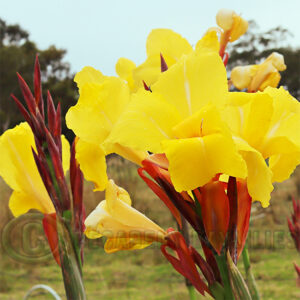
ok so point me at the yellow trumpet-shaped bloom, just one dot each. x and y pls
(258, 77)
(19, 171)
(125, 227)
(181, 118)
(101, 102)
(168, 43)
(266, 131)
(232, 24)
(103, 99)
(205, 130)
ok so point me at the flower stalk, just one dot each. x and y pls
(70, 264)
(294, 228)
(64, 228)
(223, 268)
(249, 275)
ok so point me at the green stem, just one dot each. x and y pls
(192, 292)
(223, 268)
(249, 275)
(71, 268)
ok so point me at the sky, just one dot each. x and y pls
(97, 33)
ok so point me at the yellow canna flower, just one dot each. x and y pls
(19, 171)
(168, 43)
(232, 27)
(181, 118)
(125, 227)
(258, 77)
(103, 99)
(184, 118)
(232, 24)
(265, 128)
(101, 102)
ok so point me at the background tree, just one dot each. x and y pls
(255, 46)
(17, 54)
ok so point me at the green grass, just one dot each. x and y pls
(145, 274)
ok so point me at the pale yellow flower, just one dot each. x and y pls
(124, 227)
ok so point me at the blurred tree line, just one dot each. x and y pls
(17, 54)
(254, 46)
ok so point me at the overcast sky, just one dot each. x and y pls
(98, 32)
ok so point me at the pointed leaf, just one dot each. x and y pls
(37, 81)
(27, 95)
(185, 264)
(203, 265)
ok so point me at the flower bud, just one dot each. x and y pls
(258, 77)
(124, 227)
(232, 23)
(277, 60)
(241, 76)
(224, 18)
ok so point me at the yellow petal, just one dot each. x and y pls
(279, 145)
(209, 42)
(168, 43)
(284, 102)
(195, 81)
(149, 71)
(125, 227)
(249, 116)
(236, 111)
(259, 180)
(193, 162)
(115, 193)
(92, 234)
(271, 80)
(241, 76)
(97, 110)
(116, 244)
(19, 171)
(91, 159)
(100, 223)
(124, 69)
(283, 131)
(240, 98)
(240, 26)
(88, 75)
(257, 121)
(283, 165)
(20, 203)
(133, 155)
(263, 70)
(120, 210)
(277, 60)
(225, 19)
(65, 153)
(147, 121)
(204, 122)
(160, 41)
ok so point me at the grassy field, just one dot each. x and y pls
(145, 274)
